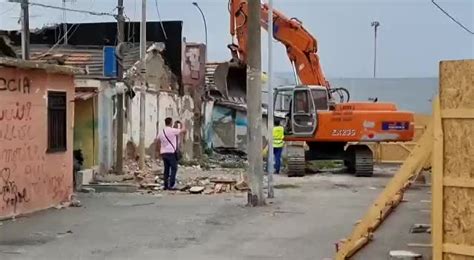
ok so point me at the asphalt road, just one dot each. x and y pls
(305, 220)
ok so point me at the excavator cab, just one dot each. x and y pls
(303, 105)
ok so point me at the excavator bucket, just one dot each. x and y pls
(230, 79)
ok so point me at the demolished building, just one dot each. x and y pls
(95, 120)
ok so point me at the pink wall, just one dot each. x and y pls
(30, 178)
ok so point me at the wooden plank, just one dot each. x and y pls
(392, 161)
(437, 183)
(458, 182)
(390, 196)
(405, 147)
(419, 245)
(457, 201)
(459, 113)
(463, 250)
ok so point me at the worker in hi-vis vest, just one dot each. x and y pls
(278, 135)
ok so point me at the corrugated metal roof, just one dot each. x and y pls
(90, 58)
(29, 64)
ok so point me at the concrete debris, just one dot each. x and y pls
(403, 254)
(150, 185)
(128, 177)
(242, 186)
(218, 188)
(206, 173)
(208, 191)
(223, 180)
(196, 189)
(223, 187)
(420, 228)
(228, 158)
(114, 187)
(75, 203)
(62, 234)
(87, 190)
(60, 206)
(185, 188)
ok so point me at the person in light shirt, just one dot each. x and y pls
(167, 144)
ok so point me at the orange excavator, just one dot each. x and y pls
(331, 130)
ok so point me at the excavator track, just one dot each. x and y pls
(296, 163)
(359, 160)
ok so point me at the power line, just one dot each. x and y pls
(8, 10)
(69, 9)
(452, 18)
(161, 22)
(59, 41)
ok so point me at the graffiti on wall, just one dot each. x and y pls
(22, 148)
(18, 85)
(11, 194)
(16, 151)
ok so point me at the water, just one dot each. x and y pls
(411, 94)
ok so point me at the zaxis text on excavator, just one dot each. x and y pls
(331, 130)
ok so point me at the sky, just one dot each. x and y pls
(413, 36)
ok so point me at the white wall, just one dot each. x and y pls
(157, 109)
(151, 117)
(178, 108)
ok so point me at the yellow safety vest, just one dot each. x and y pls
(278, 135)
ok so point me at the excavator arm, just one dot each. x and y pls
(301, 46)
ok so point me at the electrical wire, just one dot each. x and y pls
(8, 10)
(161, 22)
(59, 41)
(452, 18)
(73, 10)
(130, 29)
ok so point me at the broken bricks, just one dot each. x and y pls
(420, 228)
(196, 189)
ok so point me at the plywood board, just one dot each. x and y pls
(456, 217)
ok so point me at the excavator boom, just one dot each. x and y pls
(301, 46)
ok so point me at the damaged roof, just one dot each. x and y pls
(88, 58)
(29, 64)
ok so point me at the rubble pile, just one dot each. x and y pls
(228, 158)
(191, 177)
(219, 173)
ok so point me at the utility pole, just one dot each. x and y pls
(64, 22)
(270, 117)
(254, 106)
(141, 145)
(375, 24)
(120, 39)
(25, 32)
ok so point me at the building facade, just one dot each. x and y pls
(36, 136)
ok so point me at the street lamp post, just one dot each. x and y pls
(375, 24)
(204, 20)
